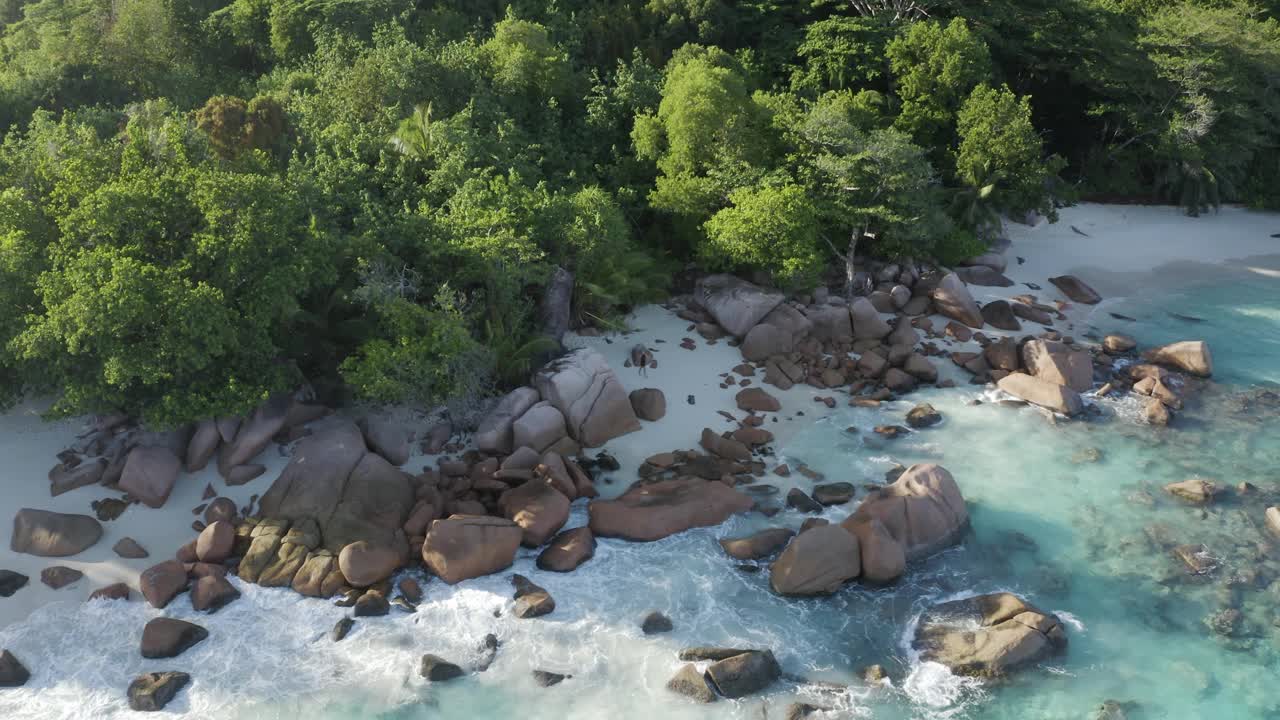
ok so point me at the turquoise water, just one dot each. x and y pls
(1070, 515)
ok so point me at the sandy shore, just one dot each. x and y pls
(1122, 249)
(29, 446)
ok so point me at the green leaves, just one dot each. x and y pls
(771, 228)
(935, 67)
(1001, 156)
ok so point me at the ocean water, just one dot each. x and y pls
(1071, 515)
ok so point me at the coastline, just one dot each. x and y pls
(1130, 249)
(680, 373)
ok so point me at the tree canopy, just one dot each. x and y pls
(205, 202)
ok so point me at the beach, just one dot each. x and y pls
(1126, 253)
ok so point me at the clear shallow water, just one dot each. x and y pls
(1076, 536)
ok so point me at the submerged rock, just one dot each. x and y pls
(655, 623)
(923, 416)
(342, 629)
(1010, 635)
(1196, 491)
(545, 678)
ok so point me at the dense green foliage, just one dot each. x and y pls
(205, 201)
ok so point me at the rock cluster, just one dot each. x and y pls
(918, 514)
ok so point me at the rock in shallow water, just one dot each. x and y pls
(691, 683)
(342, 629)
(568, 550)
(12, 672)
(759, 545)
(546, 679)
(1010, 635)
(169, 637)
(153, 691)
(655, 623)
(744, 674)
(816, 562)
(436, 669)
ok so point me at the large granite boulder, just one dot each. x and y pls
(884, 559)
(776, 334)
(149, 474)
(350, 493)
(494, 433)
(1076, 289)
(211, 593)
(923, 510)
(387, 438)
(818, 561)
(867, 323)
(830, 322)
(215, 542)
(657, 510)
(254, 434)
(988, 635)
(161, 583)
(736, 304)
(363, 563)
(1189, 356)
(51, 534)
(65, 479)
(583, 387)
(1059, 364)
(467, 546)
(649, 404)
(203, 446)
(540, 427)
(1049, 395)
(538, 508)
(953, 300)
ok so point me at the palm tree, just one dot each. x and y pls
(418, 136)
